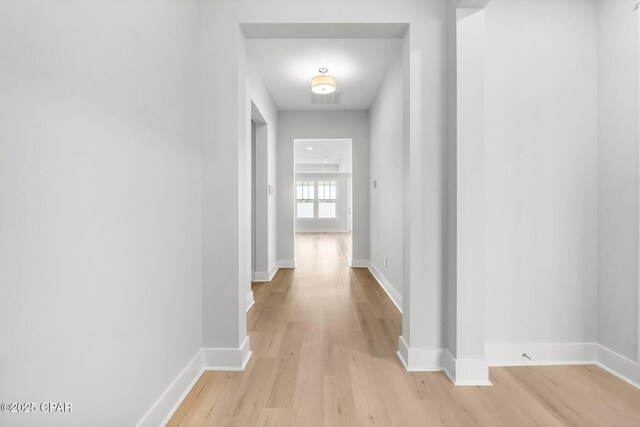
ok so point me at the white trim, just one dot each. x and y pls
(544, 354)
(618, 365)
(226, 359)
(287, 263)
(321, 230)
(510, 354)
(266, 276)
(471, 372)
(461, 372)
(273, 270)
(206, 359)
(403, 352)
(163, 409)
(419, 359)
(386, 286)
(359, 263)
(448, 363)
(261, 276)
(249, 300)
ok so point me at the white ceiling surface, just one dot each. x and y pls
(325, 151)
(287, 66)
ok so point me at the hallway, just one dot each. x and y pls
(324, 338)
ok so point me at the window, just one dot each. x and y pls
(316, 199)
(326, 199)
(305, 197)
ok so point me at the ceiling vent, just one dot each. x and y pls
(328, 99)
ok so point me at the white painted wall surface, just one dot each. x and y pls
(339, 224)
(386, 168)
(100, 219)
(541, 148)
(449, 294)
(618, 175)
(323, 124)
(471, 366)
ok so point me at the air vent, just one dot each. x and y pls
(328, 99)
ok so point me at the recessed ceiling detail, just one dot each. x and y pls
(288, 65)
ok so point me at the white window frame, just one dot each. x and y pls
(315, 181)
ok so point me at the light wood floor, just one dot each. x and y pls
(324, 338)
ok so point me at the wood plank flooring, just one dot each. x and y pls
(324, 338)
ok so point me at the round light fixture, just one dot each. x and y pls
(323, 84)
(310, 148)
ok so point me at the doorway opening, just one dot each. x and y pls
(259, 202)
(339, 211)
(323, 194)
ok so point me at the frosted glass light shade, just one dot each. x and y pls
(323, 84)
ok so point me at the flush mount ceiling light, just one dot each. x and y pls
(323, 84)
(310, 148)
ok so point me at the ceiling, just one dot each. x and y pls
(325, 152)
(287, 66)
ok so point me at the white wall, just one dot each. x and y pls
(469, 350)
(541, 148)
(386, 168)
(339, 224)
(100, 220)
(323, 124)
(618, 174)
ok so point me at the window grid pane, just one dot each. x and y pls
(305, 195)
(326, 199)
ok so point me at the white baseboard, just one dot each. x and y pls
(471, 372)
(448, 363)
(461, 372)
(545, 354)
(418, 359)
(359, 263)
(386, 285)
(163, 409)
(226, 359)
(287, 263)
(250, 301)
(261, 276)
(541, 354)
(206, 359)
(618, 365)
(266, 276)
(273, 270)
(321, 230)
